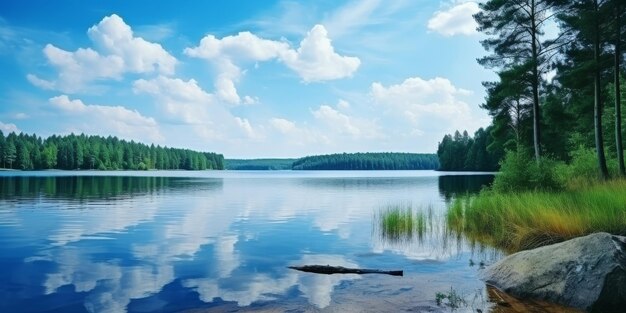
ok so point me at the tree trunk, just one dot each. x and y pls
(597, 105)
(535, 86)
(618, 104)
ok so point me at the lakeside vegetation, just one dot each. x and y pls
(401, 222)
(71, 152)
(556, 131)
(554, 94)
(526, 220)
(533, 204)
(258, 164)
(368, 161)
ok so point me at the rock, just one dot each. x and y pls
(587, 273)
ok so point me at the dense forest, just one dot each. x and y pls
(463, 152)
(368, 161)
(556, 95)
(30, 152)
(258, 164)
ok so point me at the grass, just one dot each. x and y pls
(400, 222)
(525, 220)
(451, 298)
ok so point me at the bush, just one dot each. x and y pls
(520, 172)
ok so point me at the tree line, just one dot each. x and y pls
(71, 152)
(555, 94)
(259, 164)
(368, 161)
(462, 152)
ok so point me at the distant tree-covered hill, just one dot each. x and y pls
(30, 152)
(368, 161)
(258, 164)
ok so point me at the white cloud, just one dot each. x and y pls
(117, 51)
(156, 32)
(108, 120)
(8, 128)
(21, 116)
(250, 100)
(188, 103)
(338, 121)
(432, 106)
(184, 100)
(41, 83)
(282, 125)
(225, 88)
(244, 45)
(343, 104)
(114, 36)
(314, 60)
(301, 136)
(317, 289)
(457, 20)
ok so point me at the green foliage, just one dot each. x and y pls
(520, 172)
(528, 219)
(465, 153)
(259, 164)
(368, 161)
(30, 152)
(451, 298)
(583, 167)
(401, 222)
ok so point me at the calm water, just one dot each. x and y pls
(185, 241)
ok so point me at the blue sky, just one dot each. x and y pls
(244, 78)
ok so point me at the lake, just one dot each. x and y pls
(162, 241)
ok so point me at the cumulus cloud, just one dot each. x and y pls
(116, 52)
(107, 120)
(8, 128)
(282, 125)
(314, 60)
(457, 20)
(339, 121)
(188, 103)
(433, 106)
(299, 135)
(244, 45)
(343, 104)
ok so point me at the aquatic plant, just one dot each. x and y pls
(450, 298)
(401, 222)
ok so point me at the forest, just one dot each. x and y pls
(258, 164)
(557, 96)
(72, 152)
(368, 161)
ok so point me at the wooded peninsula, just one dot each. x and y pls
(71, 152)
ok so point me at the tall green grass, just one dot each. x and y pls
(525, 220)
(400, 222)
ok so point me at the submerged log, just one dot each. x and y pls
(327, 269)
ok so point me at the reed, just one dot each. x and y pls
(401, 222)
(525, 220)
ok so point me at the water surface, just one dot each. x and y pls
(175, 241)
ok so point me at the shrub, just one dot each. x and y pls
(520, 172)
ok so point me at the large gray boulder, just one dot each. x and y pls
(587, 273)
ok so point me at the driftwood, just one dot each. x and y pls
(327, 269)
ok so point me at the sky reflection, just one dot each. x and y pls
(224, 240)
